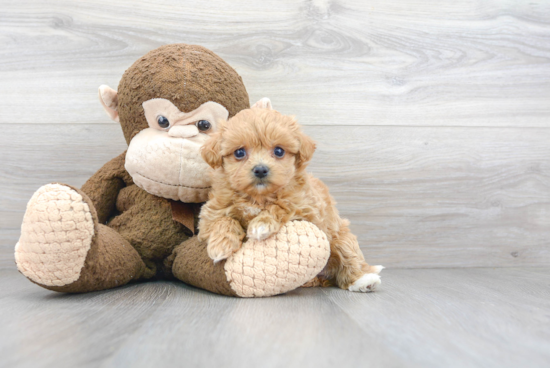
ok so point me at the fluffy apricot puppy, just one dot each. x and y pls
(259, 183)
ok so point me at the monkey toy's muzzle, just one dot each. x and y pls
(169, 167)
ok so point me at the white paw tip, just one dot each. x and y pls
(259, 233)
(367, 283)
(218, 259)
(377, 269)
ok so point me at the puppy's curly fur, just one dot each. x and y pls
(243, 199)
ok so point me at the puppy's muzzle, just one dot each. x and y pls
(260, 171)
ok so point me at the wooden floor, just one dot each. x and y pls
(427, 318)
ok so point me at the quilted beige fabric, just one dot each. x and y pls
(271, 267)
(56, 235)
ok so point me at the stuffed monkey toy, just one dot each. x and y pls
(136, 218)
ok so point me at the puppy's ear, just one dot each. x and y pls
(264, 103)
(210, 151)
(307, 147)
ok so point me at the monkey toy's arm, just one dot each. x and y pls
(103, 187)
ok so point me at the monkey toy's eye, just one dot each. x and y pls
(240, 153)
(163, 122)
(203, 125)
(278, 152)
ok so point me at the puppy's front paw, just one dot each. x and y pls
(366, 283)
(262, 228)
(222, 246)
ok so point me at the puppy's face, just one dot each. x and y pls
(259, 150)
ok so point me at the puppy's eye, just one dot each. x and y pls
(278, 152)
(163, 122)
(240, 153)
(203, 125)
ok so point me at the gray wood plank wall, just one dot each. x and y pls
(433, 118)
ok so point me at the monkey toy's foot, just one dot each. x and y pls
(63, 248)
(56, 235)
(281, 263)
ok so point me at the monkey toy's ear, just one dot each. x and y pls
(210, 151)
(264, 103)
(109, 100)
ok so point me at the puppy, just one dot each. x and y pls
(259, 183)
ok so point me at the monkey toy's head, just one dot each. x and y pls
(167, 103)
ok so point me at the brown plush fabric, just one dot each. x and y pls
(190, 263)
(187, 75)
(103, 187)
(183, 213)
(142, 219)
(146, 222)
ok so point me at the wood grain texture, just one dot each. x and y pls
(420, 318)
(416, 197)
(433, 121)
(459, 318)
(453, 63)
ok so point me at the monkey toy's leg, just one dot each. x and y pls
(63, 247)
(283, 262)
(191, 264)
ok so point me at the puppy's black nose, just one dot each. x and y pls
(260, 171)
